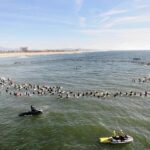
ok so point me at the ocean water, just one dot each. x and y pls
(71, 123)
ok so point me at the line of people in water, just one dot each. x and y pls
(142, 80)
(28, 89)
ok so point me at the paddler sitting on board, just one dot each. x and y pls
(122, 135)
(119, 136)
(115, 135)
(33, 109)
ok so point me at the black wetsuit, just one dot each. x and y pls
(33, 109)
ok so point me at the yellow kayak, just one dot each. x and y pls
(117, 140)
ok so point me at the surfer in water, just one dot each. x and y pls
(33, 109)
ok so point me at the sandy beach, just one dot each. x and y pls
(33, 53)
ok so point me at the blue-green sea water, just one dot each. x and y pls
(76, 124)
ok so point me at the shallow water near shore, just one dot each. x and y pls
(76, 124)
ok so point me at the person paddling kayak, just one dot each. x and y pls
(115, 135)
(117, 138)
(122, 135)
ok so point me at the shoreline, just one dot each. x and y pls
(36, 53)
(5, 54)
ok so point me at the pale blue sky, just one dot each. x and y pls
(92, 24)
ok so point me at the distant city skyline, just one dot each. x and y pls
(60, 24)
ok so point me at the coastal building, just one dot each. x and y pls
(24, 49)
